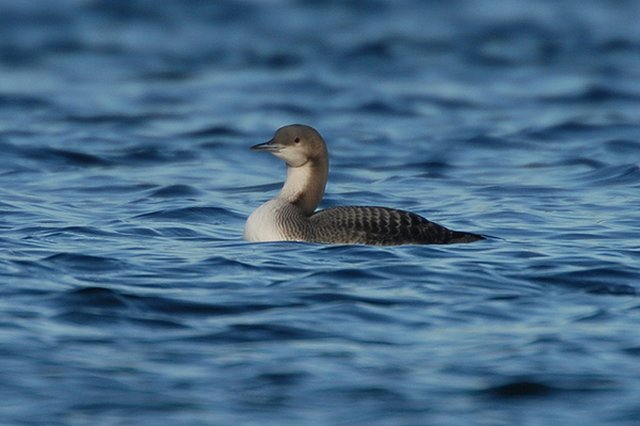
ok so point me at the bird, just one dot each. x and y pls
(291, 215)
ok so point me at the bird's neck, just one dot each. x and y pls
(304, 186)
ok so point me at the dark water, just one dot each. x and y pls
(128, 295)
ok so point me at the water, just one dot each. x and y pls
(129, 297)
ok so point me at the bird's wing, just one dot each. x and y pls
(381, 226)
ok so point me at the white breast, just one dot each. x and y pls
(263, 225)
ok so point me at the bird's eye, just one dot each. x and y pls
(297, 140)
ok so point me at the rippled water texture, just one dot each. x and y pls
(127, 295)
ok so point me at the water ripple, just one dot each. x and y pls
(128, 295)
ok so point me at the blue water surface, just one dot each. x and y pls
(127, 295)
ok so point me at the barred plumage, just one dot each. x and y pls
(381, 226)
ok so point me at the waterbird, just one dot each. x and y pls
(292, 215)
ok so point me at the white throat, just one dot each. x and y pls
(304, 187)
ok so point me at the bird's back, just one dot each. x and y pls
(381, 226)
